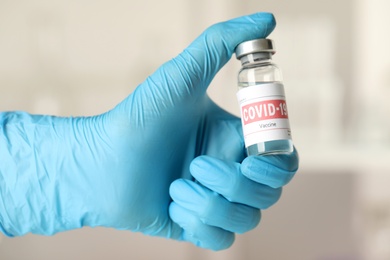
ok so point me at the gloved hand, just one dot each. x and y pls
(122, 169)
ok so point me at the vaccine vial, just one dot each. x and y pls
(262, 100)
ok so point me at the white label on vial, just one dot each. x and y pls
(264, 114)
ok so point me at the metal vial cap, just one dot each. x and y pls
(254, 46)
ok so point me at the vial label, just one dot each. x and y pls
(264, 113)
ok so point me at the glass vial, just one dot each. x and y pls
(262, 101)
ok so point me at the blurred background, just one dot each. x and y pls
(66, 57)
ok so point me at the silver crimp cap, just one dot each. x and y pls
(254, 46)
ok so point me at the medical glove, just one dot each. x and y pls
(166, 161)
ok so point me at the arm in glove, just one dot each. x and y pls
(118, 169)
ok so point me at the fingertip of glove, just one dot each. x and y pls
(177, 187)
(209, 171)
(187, 194)
(266, 22)
(265, 17)
(197, 232)
(224, 243)
(200, 163)
(274, 171)
(286, 161)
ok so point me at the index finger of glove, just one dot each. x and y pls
(226, 179)
(271, 170)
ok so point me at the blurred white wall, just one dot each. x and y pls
(68, 57)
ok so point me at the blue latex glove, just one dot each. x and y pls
(122, 169)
